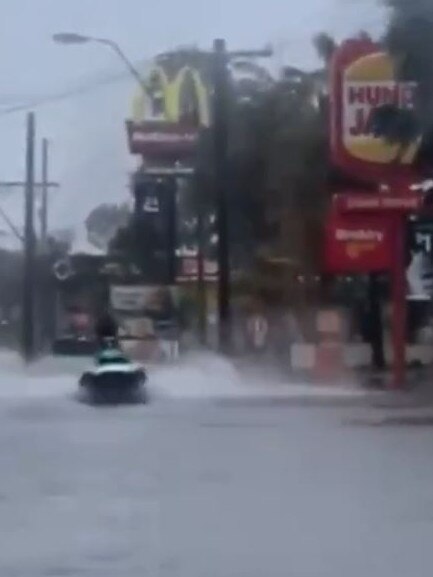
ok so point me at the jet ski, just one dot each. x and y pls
(113, 378)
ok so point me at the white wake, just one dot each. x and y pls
(201, 376)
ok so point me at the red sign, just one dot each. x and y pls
(189, 270)
(372, 203)
(159, 139)
(355, 244)
(362, 80)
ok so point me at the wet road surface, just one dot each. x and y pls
(195, 489)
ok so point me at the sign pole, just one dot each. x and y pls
(221, 185)
(201, 281)
(399, 305)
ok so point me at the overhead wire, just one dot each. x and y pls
(11, 225)
(79, 90)
(37, 102)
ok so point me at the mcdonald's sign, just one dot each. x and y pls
(166, 121)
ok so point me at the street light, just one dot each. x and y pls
(70, 38)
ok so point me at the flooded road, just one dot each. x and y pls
(191, 488)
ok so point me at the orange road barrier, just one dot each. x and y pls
(329, 358)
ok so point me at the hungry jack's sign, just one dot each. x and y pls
(362, 80)
(362, 99)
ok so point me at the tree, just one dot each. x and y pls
(277, 179)
(296, 189)
(249, 85)
(325, 46)
(104, 221)
(278, 166)
(409, 38)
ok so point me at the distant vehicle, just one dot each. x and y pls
(113, 378)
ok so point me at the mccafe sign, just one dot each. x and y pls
(167, 119)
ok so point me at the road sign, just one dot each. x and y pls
(63, 269)
(168, 171)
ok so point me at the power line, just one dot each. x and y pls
(11, 225)
(7, 102)
(69, 94)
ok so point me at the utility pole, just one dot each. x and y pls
(31, 190)
(221, 185)
(44, 200)
(221, 58)
(201, 269)
(171, 187)
(29, 244)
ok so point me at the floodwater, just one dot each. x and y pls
(189, 487)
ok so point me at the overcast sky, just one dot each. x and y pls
(88, 143)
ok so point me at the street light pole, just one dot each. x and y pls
(29, 245)
(132, 69)
(73, 38)
(221, 185)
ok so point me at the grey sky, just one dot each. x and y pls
(89, 153)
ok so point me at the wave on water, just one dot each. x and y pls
(198, 376)
(47, 377)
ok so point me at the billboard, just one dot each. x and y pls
(419, 261)
(188, 270)
(166, 120)
(363, 79)
(147, 317)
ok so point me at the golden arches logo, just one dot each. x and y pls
(168, 91)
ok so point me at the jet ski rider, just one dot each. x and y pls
(106, 328)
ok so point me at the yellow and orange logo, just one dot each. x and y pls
(172, 98)
(356, 250)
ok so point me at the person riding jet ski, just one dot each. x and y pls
(106, 328)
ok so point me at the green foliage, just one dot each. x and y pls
(276, 185)
(397, 125)
(325, 46)
(409, 39)
(277, 181)
(135, 243)
(104, 221)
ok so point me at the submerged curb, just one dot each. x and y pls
(299, 400)
(398, 419)
(263, 398)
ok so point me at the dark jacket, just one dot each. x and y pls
(106, 326)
